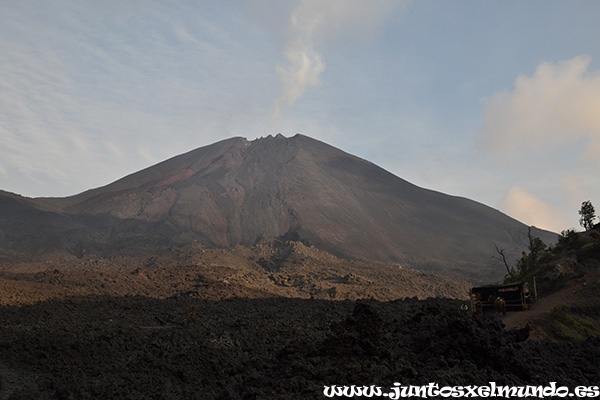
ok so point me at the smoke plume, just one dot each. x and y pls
(313, 24)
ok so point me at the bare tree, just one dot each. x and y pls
(502, 258)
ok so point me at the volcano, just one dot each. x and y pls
(240, 192)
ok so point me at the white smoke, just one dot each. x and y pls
(548, 123)
(531, 210)
(312, 24)
(558, 105)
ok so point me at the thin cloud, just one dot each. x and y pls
(90, 93)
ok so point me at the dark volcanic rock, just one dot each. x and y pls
(277, 348)
(240, 192)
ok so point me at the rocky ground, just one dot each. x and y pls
(286, 269)
(275, 321)
(272, 348)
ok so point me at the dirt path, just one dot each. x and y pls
(578, 294)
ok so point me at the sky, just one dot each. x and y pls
(498, 102)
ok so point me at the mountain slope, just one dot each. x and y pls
(240, 192)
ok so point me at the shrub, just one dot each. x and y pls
(569, 327)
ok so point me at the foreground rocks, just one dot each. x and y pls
(272, 348)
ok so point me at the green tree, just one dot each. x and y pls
(528, 260)
(567, 237)
(587, 215)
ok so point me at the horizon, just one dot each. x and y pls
(500, 109)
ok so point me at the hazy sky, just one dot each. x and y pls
(497, 101)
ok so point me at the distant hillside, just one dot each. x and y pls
(246, 192)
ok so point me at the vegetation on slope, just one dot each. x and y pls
(567, 276)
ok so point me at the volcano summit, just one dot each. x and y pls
(244, 192)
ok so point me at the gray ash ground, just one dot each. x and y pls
(273, 348)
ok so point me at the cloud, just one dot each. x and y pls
(556, 106)
(531, 210)
(573, 189)
(312, 24)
